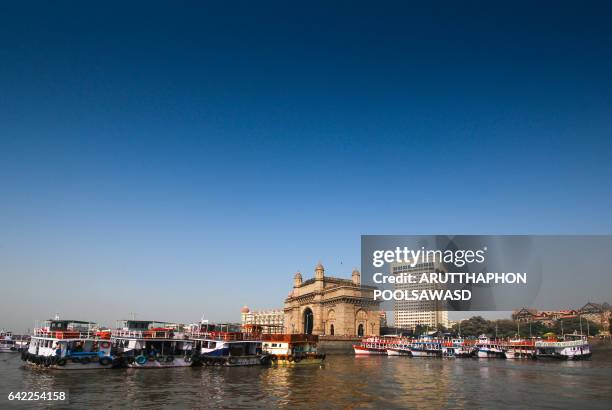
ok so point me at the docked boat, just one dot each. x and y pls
(7, 344)
(518, 348)
(226, 345)
(69, 345)
(569, 347)
(292, 349)
(426, 346)
(145, 344)
(399, 347)
(489, 349)
(457, 348)
(371, 345)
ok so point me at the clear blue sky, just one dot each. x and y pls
(175, 160)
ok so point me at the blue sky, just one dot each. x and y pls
(179, 160)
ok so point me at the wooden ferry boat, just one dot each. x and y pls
(69, 345)
(7, 344)
(426, 346)
(226, 345)
(372, 345)
(145, 344)
(399, 347)
(518, 348)
(489, 349)
(569, 347)
(292, 349)
(457, 348)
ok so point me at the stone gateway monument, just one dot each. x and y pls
(326, 305)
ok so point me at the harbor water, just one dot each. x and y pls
(344, 381)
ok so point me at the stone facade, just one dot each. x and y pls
(326, 305)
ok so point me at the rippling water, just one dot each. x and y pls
(344, 381)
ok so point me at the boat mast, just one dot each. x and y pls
(562, 332)
(588, 332)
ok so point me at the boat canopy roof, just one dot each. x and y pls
(130, 324)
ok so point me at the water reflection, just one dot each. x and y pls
(344, 381)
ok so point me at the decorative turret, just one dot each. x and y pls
(245, 309)
(297, 279)
(356, 276)
(319, 271)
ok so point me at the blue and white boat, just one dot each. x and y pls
(489, 349)
(147, 344)
(426, 346)
(226, 345)
(69, 345)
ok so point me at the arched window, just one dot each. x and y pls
(331, 330)
(308, 321)
(360, 330)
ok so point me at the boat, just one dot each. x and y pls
(371, 345)
(568, 347)
(426, 346)
(226, 345)
(7, 344)
(148, 344)
(22, 342)
(518, 348)
(292, 349)
(69, 345)
(457, 348)
(489, 349)
(399, 347)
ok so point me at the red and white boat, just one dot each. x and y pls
(372, 345)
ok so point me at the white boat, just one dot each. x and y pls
(426, 346)
(147, 344)
(69, 345)
(456, 348)
(7, 344)
(371, 345)
(569, 347)
(226, 345)
(399, 347)
(488, 349)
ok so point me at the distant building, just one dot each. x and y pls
(326, 305)
(594, 312)
(271, 321)
(411, 313)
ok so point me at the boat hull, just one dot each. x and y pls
(398, 352)
(232, 361)
(490, 354)
(425, 353)
(585, 356)
(160, 365)
(359, 350)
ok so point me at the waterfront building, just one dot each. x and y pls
(326, 305)
(271, 321)
(410, 313)
(598, 313)
(593, 312)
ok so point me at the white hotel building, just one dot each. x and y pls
(272, 320)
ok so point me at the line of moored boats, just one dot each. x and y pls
(78, 345)
(567, 347)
